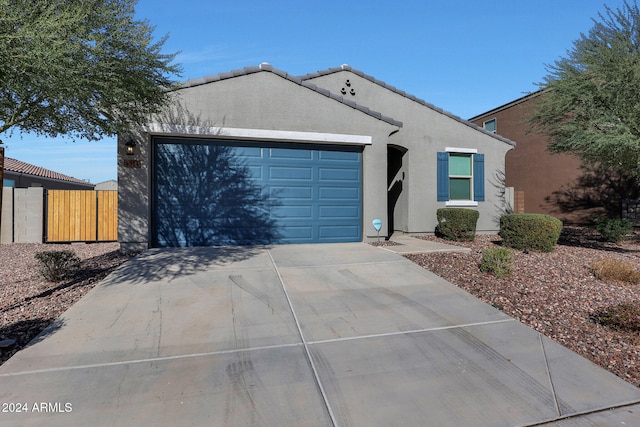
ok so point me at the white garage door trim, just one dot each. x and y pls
(160, 129)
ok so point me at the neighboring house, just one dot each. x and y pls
(544, 182)
(19, 174)
(259, 156)
(111, 184)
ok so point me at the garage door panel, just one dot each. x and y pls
(293, 212)
(335, 233)
(297, 234)
(255, 171)
(339, 212)
(332, 193)
(291, 193)
(221, 192)
(342, 175)
(288, 154)
(289, 173)
(341, 156)
(249, 152)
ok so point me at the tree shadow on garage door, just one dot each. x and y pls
(206, 195)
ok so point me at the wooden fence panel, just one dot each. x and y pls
(107, 215)
(81, 216)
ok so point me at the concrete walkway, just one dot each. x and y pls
(316, 335)
(407, 244)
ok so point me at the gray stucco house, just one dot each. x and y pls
(260, 156)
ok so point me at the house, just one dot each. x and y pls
(260, 156)
(111, 185)
(556, 184)
(18, 174)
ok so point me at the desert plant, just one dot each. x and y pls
(623, 316)
(614, 230)
(457, 224)
(616, 270)
(56, 266)
(497, 261)
(533, 232)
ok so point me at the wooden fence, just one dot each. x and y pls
(81, 216)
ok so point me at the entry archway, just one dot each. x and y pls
(396, 188)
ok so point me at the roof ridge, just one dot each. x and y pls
(266, 67)
(346, 67)
(509, 104)
(18, 166)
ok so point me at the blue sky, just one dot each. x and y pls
(464, 56)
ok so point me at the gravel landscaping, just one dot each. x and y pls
(28, 303)
(555, 293)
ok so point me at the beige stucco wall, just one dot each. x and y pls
(425, 132)
(269, 102)
(22, 215)
(259, 101)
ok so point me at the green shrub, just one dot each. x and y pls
(530, 231)
(56, 266)
(457, 223)
(624, 316)
(614, 230)
(497, 261)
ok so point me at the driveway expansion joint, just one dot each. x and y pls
(413, 331)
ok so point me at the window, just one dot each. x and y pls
(490, 125)
(460, 174)
(8, 182)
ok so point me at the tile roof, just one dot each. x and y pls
(510, 104)
(266, 67)
(19, 167)
(372, 79)
(304, 81)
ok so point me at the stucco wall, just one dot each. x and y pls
(22, 215)
(426, 131)
(267, 101)
(262, 101)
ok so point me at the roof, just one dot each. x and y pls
(304, 81)
(16, 166)
(406, 95)
(266, 67)
(509, 104)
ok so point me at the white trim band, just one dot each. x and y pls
(460, 150)
(257, 134)
(461, 203)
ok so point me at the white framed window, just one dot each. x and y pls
(460, 173)
(460, 176)
(490, 125)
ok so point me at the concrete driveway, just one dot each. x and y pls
(298, 335)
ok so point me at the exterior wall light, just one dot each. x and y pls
(130, 145)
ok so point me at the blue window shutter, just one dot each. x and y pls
(478, 177)
(443, 176)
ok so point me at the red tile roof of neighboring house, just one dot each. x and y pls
(17, 166)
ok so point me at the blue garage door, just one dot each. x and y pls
(225, 193)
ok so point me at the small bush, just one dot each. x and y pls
(611, 269)
(56, 266)
(457, 224)
(497, 261)
(533, 232)
(624, 316)
(614, 230)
